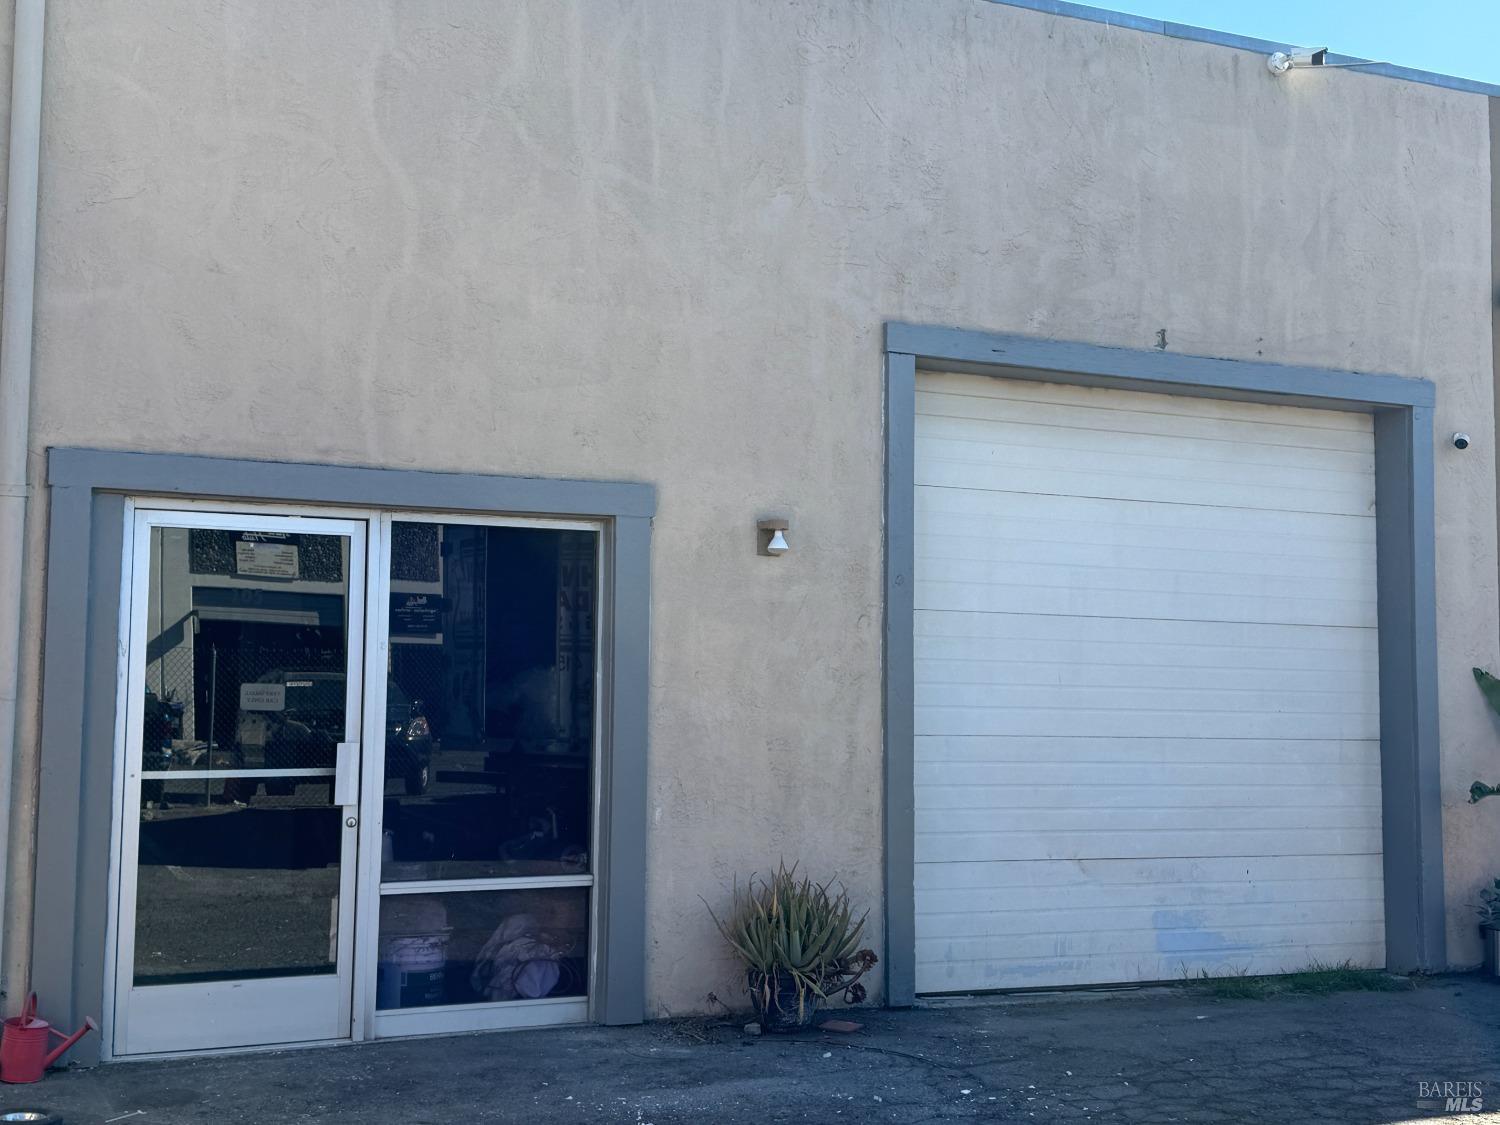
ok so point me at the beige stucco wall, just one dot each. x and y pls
(656, 240)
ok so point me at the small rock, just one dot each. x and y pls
(752, 1029)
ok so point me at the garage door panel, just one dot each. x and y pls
(1146, 687)
(1212, 788)
(1002, 845)
(930, 720)
(1167, 811)
(1233, 588)
(1160, 552)
(952, 786)
(1180, 933)
(951, 914)
(974, 669)
(1026, 923)
(1087, 565)
(1075, 971)
(965, 925)
(1106, 482)
(1027, 889)
(1045, 660)
(1174, 879)
(964, 396)
(1050, 751)
(1174, 643)
(1025, 429)
(1084, 643)
(988, 597)
(1030, 390)
(995, 462)
(1080, 519)
(1079, 696)
(951, 967)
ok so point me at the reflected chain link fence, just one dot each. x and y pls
(220, 701)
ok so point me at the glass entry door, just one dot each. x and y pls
(486, 859)
(240, 781)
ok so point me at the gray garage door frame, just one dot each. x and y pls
(1403, 419)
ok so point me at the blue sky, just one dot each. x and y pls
(1459, 37)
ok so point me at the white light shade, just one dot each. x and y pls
(777, 545)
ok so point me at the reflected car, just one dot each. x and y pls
(305, 732)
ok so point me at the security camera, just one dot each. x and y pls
(1460, 441)
(1283, 61)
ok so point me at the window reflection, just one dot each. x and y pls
(245, 651)
(234, 884)
(245, 655)
(490, 701)
(482, 947)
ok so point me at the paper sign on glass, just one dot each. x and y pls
(265, 560)
(262, 697)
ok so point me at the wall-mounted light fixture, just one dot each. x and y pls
(1295, 58)
(773, 537)
(1282, 61)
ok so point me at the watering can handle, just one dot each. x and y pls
(28, 1012)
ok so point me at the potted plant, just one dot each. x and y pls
(1489, 687)
(1489, 927)
(1489, 897)
(799, 941)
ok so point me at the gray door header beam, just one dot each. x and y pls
(180, 474)
(957, 349)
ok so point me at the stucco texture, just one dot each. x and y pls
(656, 240)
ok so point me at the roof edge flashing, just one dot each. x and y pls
(1070, 10)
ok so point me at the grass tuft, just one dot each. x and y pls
(1317, 979)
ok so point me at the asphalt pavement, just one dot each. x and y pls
(1148, 1056)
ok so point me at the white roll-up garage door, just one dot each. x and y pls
(1146, 704)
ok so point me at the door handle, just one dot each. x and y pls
(346, 775)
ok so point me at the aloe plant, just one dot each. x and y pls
(793, 930)
(1489, 907)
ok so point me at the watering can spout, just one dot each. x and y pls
(88, 1026)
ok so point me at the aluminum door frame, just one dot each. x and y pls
(262, 999)
(452, 1019)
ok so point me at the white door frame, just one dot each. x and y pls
(360, 886)
(491, 1015)
(272, 1007)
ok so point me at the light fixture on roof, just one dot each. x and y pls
(1282, 61)
(1297, 58)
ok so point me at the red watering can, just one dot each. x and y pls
(23, 1044)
